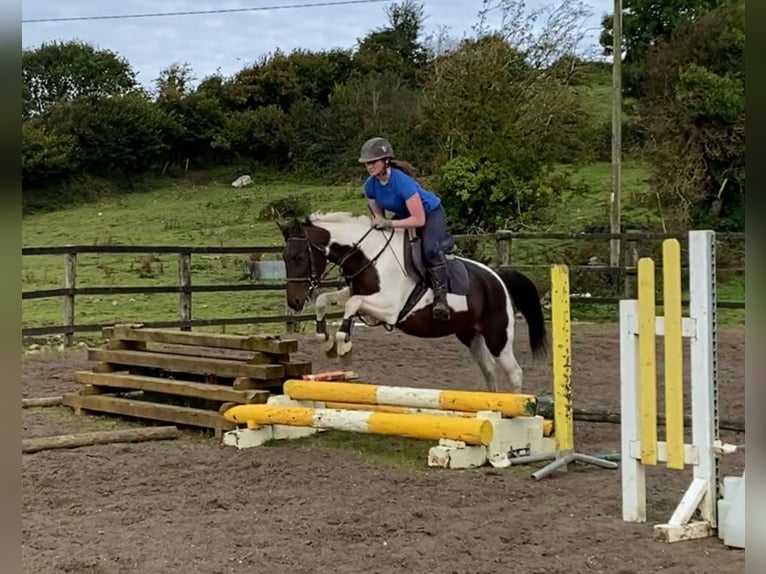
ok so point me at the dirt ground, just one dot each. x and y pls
(193, 505)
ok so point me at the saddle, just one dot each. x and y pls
(458, 282)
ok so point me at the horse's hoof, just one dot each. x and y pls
(343, 342)
(328, 346)
(344, 347)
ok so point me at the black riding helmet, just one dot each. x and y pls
(376, 148)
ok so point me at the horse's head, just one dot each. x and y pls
(337, 237)
(305, 255)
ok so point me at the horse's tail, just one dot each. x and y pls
(527, 300)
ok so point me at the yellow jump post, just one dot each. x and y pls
(563, 420)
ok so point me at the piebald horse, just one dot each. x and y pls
(385, 280)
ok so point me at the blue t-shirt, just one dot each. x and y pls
(394, 194)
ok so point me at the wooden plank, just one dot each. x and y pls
(117, 344)
(674, 365)
(37, 444)
(185, 364)
(172, 387)
(647, 367)
(297, 368)
(245, 383)
(146, 410)
(253, 357)
(266, 344)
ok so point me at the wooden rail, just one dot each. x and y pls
(622, 277)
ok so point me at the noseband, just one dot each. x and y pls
(313, 279)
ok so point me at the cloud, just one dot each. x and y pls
(225, 43)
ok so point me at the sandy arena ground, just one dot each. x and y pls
(193, 505)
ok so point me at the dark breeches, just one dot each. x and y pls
(436, 237)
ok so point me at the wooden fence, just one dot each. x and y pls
(621, 278)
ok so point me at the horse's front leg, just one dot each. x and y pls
(323, 301)
(373, 305)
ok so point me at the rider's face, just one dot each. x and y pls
(375, 168)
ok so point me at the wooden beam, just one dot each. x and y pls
(41, 402)
(146, 410)
(266, 344)
(30, 445)
(186, 364)
(253, 357)
(172, 387)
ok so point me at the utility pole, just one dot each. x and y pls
(615, 211)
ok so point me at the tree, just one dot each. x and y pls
(62, 71)
(395, 48)
(174, 83)
(501, 110)
(694, 117)
(645, 23)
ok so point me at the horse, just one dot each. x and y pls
(385, 280)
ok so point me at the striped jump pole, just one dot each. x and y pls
(563, 420)
(641, 447)
(508, 404)
(547, 424)
(472, 431)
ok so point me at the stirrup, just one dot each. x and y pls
(440, 313)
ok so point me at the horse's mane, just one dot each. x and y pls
(338, 217)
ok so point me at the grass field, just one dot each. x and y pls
(182, 213)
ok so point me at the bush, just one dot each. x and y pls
(480, 194)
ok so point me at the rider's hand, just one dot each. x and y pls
(381, 223)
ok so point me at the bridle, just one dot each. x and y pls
(315, 279)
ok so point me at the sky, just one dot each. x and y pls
(227, 42)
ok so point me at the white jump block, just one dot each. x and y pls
(248, 438)
(510, 435)
(731, 511)
(514, 435)
(456, 454)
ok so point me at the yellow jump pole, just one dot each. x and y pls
(509, 404)
(547, 424)
(472, 431)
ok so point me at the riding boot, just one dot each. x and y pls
(438, 275)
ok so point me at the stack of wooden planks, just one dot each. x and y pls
(183, 377)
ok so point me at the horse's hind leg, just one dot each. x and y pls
(511, 367)
(482, 356)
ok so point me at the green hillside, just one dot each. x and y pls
(218, 214)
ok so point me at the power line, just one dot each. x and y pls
(199, 12)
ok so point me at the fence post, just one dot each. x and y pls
(185, 295)
(630, 264)
(291, 325)
(70, 281)
(503, 248)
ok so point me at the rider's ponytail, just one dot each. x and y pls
(404, 166)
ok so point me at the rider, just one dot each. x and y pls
(391, 186)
